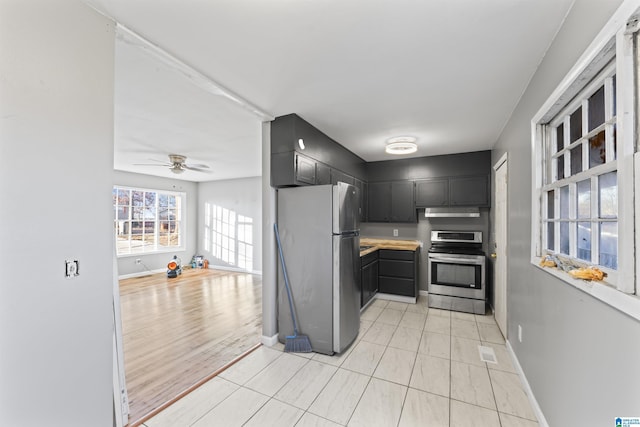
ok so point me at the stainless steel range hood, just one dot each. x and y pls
(451, 212)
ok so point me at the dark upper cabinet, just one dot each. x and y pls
(323, 174)
(402, 204)
(433, 192)
(391, 202)
(291, 168)
(291, 134)
(453, 191)
(469, 191)
(379, 203)
(305, 170)
(362, 193)
(337, 176)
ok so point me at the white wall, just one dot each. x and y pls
(242, 196)
(56, 166)
(579, 354)
(150, 262)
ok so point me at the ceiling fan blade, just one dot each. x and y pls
(196, 165)
(197, 169)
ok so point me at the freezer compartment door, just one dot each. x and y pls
(346, 202)
(346, 290)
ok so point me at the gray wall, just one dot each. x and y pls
(579, 355)
(150, 262)
(56, 175)
(421, 231)
(242, 196)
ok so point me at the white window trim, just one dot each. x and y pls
(183, 225)
(620, 295)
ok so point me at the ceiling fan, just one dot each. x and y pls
(177, 164)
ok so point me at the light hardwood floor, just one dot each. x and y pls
(178, 331)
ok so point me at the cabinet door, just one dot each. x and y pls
(337, 176)
(361, 199)
(402, 206)
(305, 170)
(323, 174)
(379, 201)
(469, 191)
(432, 193)
(369, 282)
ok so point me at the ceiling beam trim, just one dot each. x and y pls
(196, 77)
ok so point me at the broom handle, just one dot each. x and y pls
(286, 280)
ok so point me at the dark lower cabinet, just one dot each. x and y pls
(369, 277)
(398, 272)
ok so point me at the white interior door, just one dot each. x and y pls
(500, 260)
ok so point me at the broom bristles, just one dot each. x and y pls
(298, 344)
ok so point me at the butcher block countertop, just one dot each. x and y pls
(399, 245)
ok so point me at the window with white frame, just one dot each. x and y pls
(583, 202)
(147, 221)
(580, 192)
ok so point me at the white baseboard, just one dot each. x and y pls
(542, 422)
(423, 293)
(234, 269)
(269, 341)
(397, 298)
(141, 273)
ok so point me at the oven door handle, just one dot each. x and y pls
(455, 260)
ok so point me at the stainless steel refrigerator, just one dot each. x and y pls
(319, 230)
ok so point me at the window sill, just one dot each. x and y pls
(628, 304)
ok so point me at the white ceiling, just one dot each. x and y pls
(448, 72)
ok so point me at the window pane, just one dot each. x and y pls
(149, 199)
(163, 200)
(560, 166)
(575, 125)
(123, 212)
(137, 198)
(596, 109)
(584, 199)
(584, 241)
(608, 197)
(564, 237)
(551, 204)
(551, 236)
(559, 138)
(597, 155)
(564, 202)
(136, 228)
(576, 159)
(609, 244)
(124, 197)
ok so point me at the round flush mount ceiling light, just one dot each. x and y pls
(401, 145)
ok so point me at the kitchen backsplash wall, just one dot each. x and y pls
(422, 232)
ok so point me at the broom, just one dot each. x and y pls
(294, 343)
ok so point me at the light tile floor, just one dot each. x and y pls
(410, 366)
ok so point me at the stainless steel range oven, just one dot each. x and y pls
(457, 271)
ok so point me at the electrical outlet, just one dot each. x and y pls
(519, 333)
(71, 268)
(395, 232)
(138, 260)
